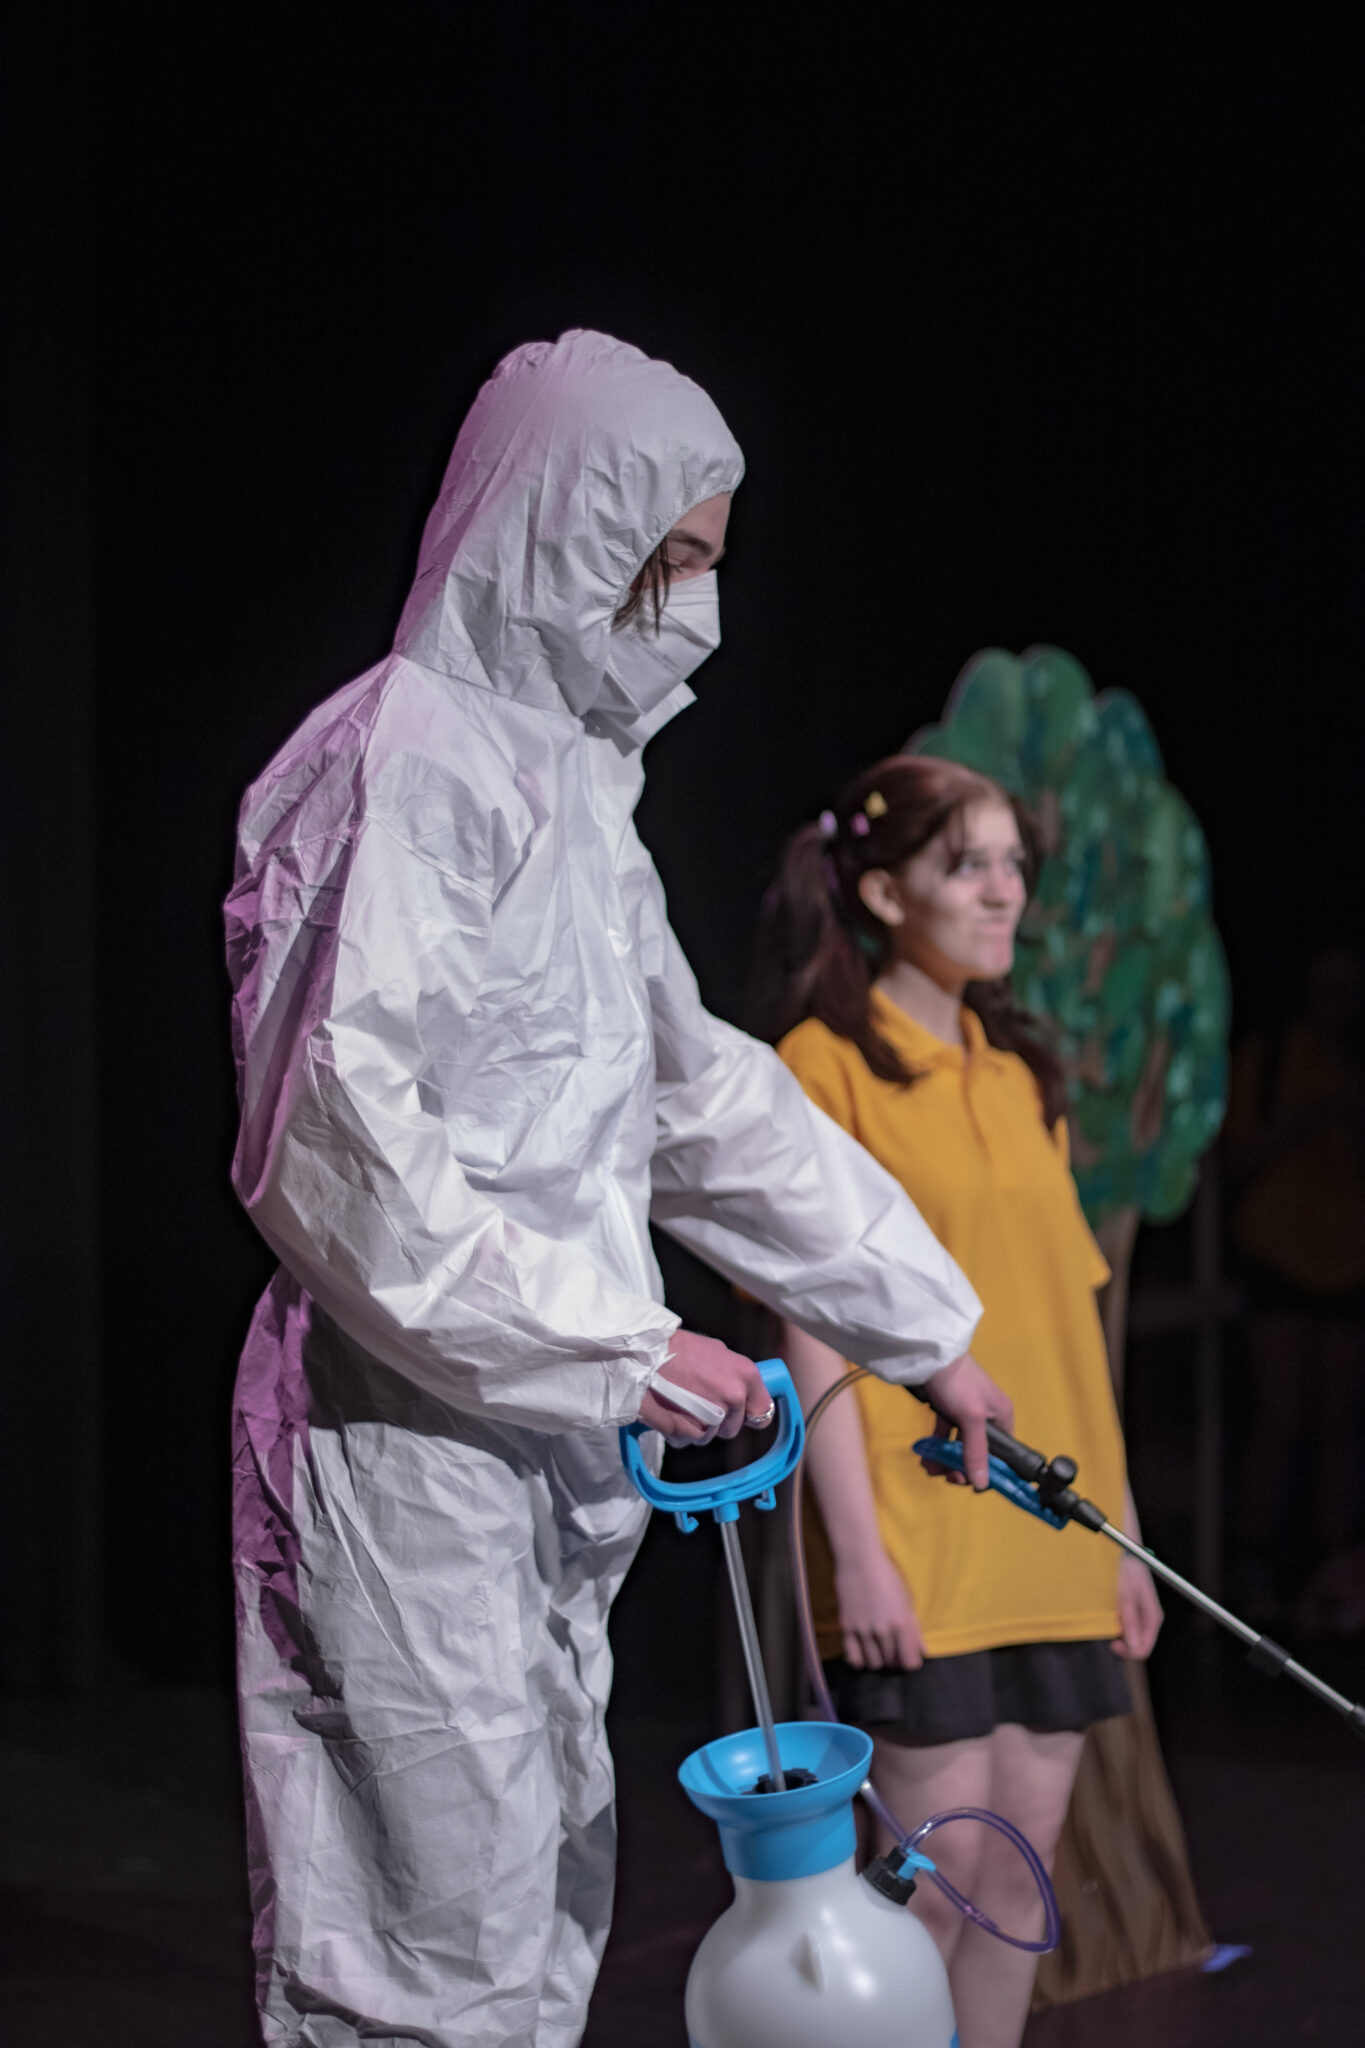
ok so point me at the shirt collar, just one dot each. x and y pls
(921, 1048)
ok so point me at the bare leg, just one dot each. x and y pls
(1031, 1779)
(917, 1780)
(1027, 1777)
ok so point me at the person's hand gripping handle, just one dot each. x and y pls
(966, 1398)
(724, 1393)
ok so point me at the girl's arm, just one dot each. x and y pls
(1140, 1610)
(875, 1609)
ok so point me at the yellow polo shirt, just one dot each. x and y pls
(968, 1144)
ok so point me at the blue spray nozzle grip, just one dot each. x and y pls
(948, 1451)
(721, 1495)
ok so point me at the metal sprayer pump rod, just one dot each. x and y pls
(1266, 1654)
(753, 1655)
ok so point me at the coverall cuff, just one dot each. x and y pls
(630, 1379)
(913, 1368)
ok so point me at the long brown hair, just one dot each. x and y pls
(649, 589)
(820, 949)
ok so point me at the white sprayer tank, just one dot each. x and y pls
(809, 1955)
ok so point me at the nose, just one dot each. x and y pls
(1004, 887)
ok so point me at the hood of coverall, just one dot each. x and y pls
(575, 460)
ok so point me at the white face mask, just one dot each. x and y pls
(646, 674)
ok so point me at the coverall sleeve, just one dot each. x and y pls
(356, 963)
(756, 1180)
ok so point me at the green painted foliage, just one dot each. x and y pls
(1118, 948)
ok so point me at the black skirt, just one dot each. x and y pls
(1046, 1686)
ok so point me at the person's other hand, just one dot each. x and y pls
(705, 1367)
(962, 1394)
(877, 1615)
(1140, 1611)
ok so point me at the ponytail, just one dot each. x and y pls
(810, 961)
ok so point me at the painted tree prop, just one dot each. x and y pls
(1118, 948)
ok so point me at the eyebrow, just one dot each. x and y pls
(694, 540)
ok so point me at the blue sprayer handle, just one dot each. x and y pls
(948, 1451)
(722, 1495)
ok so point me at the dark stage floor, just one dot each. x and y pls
(124, 1920)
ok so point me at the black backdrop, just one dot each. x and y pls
(1042, 325)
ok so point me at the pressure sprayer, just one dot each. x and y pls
(810, 1949)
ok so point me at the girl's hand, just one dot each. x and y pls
(877, 1615)
(1140, 1611)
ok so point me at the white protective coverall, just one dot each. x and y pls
(472, 1062)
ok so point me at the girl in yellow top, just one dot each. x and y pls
(974, 1643)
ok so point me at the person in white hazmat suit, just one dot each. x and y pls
(473, 1062)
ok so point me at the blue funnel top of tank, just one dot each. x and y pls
(776, 1835)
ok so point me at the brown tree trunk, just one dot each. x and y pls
(1128, 1902)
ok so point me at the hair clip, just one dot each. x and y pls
(828, 825)
(875, 805)
(859, 826)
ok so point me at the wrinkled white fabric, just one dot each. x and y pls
(471, 1057)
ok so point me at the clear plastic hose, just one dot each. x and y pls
(907, 1840)
(1052, 1919)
